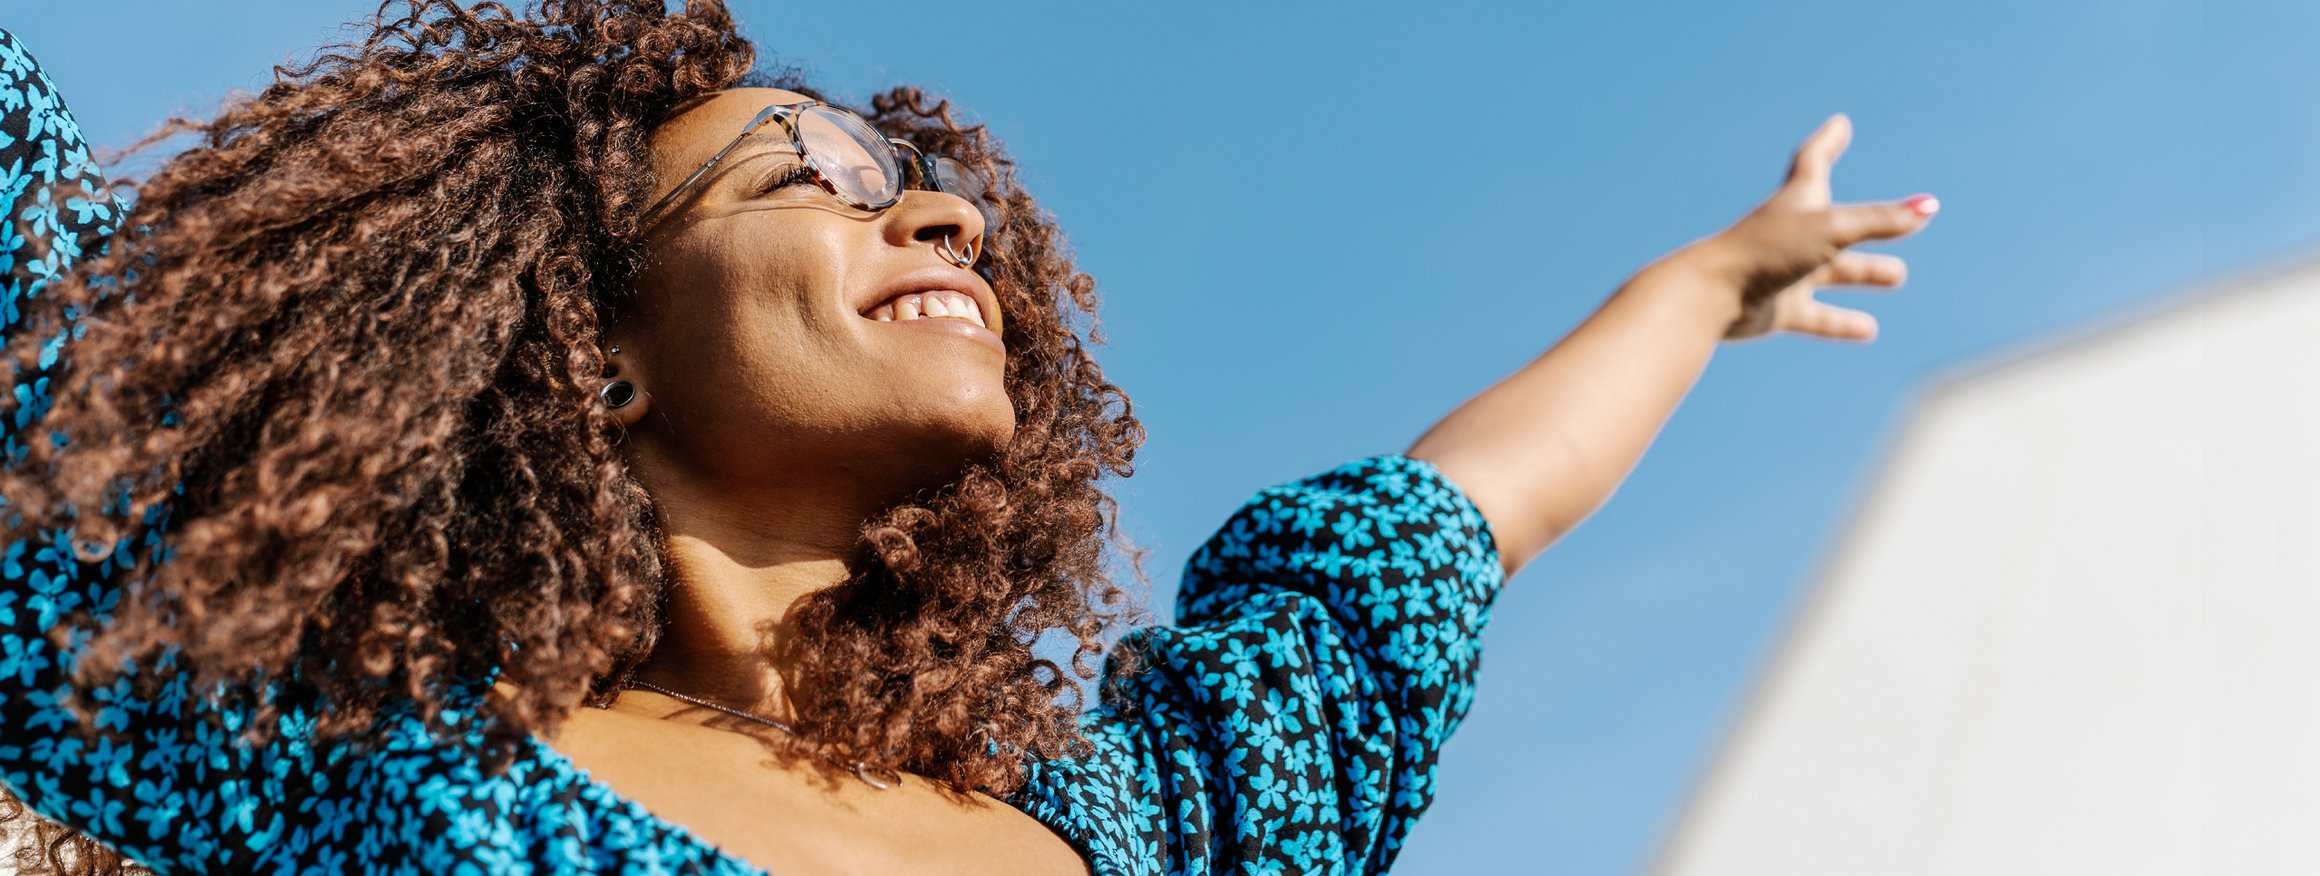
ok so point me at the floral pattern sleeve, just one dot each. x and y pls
(1326, 646)
(163, 777)
(117, 782)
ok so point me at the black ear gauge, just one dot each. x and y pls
(617, 394)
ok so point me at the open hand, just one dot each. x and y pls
(1797, 241)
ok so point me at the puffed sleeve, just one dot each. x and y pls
(163, 776)
(1326, 646)
(125, 781)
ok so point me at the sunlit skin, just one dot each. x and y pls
(775, 418)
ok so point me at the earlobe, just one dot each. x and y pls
(620, 395)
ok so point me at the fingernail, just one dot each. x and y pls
(1923, 205)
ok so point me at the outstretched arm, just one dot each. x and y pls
(1541, 450)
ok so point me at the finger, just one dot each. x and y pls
(1863, 269)
(1820, 152)
(1854, 223)
(1823, 320)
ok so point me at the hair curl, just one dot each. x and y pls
(367, 303)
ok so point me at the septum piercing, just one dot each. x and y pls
(949, 255)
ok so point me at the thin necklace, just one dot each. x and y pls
(769, 722)
(861, 770)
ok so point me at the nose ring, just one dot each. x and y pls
(967, 259)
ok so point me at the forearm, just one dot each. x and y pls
(1545, 447)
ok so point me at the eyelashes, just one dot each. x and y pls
(789, 176)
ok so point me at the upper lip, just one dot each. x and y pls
(932, 279)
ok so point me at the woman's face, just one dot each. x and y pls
(757, 341)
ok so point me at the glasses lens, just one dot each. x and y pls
(957, 178)
(853, 157)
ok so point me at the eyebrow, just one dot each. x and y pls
(743, 153)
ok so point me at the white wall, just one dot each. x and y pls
(2075, 629)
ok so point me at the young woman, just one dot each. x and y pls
(522, 443)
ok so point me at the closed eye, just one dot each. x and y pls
(786, 176)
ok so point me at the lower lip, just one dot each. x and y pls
(950, 326)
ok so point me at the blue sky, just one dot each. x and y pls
(1320, 226)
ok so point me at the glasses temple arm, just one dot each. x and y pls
(769, 113)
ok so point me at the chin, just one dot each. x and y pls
(946, 447)
(987, 442)
(977, 423)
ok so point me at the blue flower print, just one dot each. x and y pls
(1331, 657)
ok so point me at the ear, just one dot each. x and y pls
(622, 391)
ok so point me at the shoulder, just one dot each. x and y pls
(1360, 536)
(1326, 644)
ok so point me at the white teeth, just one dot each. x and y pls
(959, 305)
(936, 304)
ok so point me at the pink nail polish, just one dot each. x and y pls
(1923, 205)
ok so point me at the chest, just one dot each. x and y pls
(795, 820)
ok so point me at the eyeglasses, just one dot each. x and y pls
(853, 162)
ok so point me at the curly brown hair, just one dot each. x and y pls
(359, 324)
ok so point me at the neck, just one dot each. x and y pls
(734, 574)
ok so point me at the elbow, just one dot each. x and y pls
(1517, 547)
(1523, 507)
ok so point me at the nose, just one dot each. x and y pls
(926, 219)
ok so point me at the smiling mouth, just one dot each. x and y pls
(930, 304)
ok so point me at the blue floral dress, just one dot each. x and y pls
(1289, 723)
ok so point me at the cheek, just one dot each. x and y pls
(755, 355)
(754, 285)
(723, 320)
(753, 346)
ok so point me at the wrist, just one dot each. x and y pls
(1699, 278)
